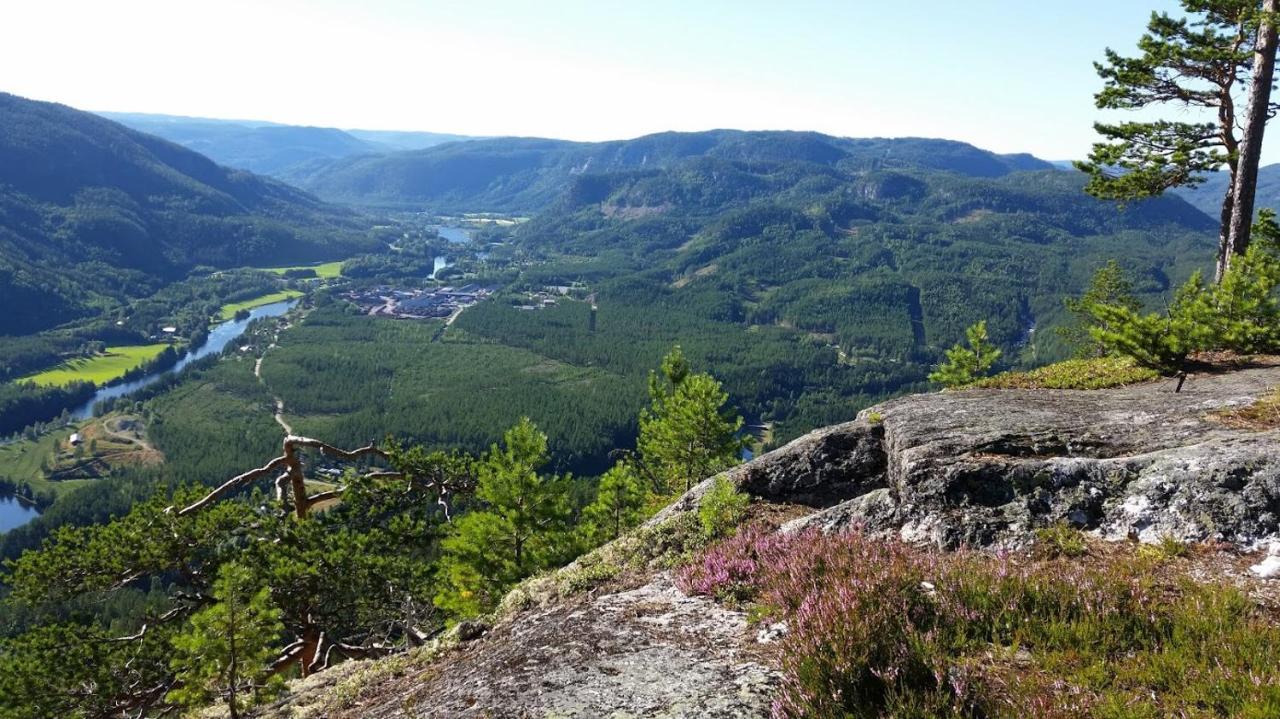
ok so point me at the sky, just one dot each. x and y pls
(1006, 75)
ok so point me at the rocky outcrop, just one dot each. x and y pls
(649, 651)
(986, 467)
(981, 467)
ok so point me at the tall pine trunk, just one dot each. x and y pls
(1224, 222)
(1246, 181)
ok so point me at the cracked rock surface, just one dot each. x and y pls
(651, 651)
(986, 467)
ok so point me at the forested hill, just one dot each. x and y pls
(527, 174)
(90, 208)
(1207, 196)
(886, 264)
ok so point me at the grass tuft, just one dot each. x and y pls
(1262, 414)
(1060, 540)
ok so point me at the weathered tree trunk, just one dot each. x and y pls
(1224, 228)
(1246, 181)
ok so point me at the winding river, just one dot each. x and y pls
(219, 337)
(15, 512)
(456, 236)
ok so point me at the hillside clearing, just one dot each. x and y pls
(325, 271)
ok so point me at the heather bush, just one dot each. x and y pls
(879, 628)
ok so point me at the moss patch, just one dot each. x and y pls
(1099, 373)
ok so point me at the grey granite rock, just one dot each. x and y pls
(984, 467)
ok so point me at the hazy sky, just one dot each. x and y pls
(1008, 75)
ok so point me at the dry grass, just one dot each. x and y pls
(1263, 414)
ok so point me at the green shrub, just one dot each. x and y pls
(964, 365)
(1241, 314)
(721, 509)
(1110, 286)
(1061, 540)
(1157, 342)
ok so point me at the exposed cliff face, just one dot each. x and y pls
(976, 467)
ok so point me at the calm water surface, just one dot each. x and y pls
(219, 338)
(14, 512)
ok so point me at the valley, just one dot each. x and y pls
(811, 277)
(734, 360)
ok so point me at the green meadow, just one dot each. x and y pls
(100, 369)
(326, 271)
(229, 311)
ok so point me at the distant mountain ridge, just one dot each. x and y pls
(1207, 197)
(90, 209)
(527, 174)
(270, 148)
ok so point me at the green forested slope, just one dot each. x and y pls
(92, 213)
(885, 264)
(527, 174)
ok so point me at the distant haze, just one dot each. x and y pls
(1006, 75)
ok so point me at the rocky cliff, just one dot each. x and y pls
(610, 635)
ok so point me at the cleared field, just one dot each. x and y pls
(326, 271)
(229, 311)
(51, 463)
(112, 364)
(26, 461)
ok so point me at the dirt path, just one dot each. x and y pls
(257, 372)
(141, 441)
(279, 416)
(439, 335)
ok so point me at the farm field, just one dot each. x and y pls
(229, 311)
(112, 364)
(325, 271)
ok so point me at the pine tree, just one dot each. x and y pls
(226, 652)
(620, 504)
(1241, 314)
(518, 530)
(1110, 286)
(1243, 311)
(965, 365)
(686, 434)
(1195, 63)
